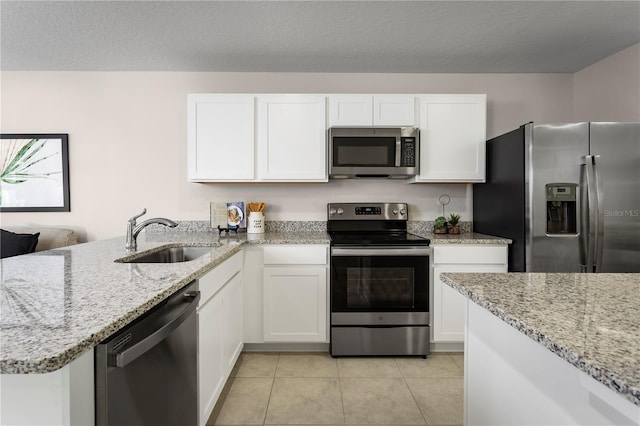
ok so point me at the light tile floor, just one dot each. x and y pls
(316, 389)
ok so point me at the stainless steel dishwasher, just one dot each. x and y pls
(146, 374)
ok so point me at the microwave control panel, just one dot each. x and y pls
(408, 152)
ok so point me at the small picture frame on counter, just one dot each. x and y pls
(236, 214)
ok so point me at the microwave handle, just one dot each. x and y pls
(398, 150)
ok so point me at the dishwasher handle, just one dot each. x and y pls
(131, 354)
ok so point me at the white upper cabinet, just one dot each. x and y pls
(292, 138)
(371, 110)
(350, 110)
(452, 138)
(394, 110)
(283, 137)
(257, 138)
(220, 137)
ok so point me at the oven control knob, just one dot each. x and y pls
(332, 211)
(340, 211)
(395, 211)
(403, 212)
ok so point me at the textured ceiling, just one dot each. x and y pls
(314, 36)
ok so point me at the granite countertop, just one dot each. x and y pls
(590, 320)
(58, 304)
(463, 238)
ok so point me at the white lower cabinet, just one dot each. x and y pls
(232, 317)
(210, 357)
(252, 274)
(220, 331)
(63, 397)
(295, 303)
(294, 294)
(449, 306)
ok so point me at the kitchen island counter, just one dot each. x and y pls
(590, 321)
(59, 304)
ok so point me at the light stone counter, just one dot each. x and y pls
(589, 320)
(58, 304)
(463, 238)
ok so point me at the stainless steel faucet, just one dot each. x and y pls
(133, 230)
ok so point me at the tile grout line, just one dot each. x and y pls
(273, 380)
(404, 379)
(344, 415)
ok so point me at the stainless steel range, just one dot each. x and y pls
(379, 281)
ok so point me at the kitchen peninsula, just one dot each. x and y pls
(549, 349)
(80, 295)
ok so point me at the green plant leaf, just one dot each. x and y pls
(18, 159)
(17, 171)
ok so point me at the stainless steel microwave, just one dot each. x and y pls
(384, 152)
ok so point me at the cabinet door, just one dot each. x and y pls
(452, 138)
(350, 110)
(292, 142)
(393, 110)
(220, 134)
(295, 304)
(211, 369)
(233, 325)
(372, 110)
(449, 306)
(252, 276)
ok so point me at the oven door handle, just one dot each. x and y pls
(381, 251)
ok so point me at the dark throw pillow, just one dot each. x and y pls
(12, 244)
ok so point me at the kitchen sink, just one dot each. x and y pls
(170, 255)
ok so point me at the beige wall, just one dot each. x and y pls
(127, 139)
(609, 90)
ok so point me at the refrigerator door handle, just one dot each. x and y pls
(583, 234)
(591, 209)
(599, 211)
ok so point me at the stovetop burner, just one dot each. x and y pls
(377, 239)
(371, 224)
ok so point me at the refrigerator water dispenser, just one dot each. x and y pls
(561, 209)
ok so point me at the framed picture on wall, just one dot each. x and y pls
(34, 172)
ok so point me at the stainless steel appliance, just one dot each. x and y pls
(357, 152)
(568, 195)
(379, 281)
(146, 374)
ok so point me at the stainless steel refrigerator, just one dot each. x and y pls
(567, 194)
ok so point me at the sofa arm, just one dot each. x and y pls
(50, 238)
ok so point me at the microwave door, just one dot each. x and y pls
(372, 152)
(364, 152)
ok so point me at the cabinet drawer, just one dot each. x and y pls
(214, 280)
(470, 254)
(296, 255)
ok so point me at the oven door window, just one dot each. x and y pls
(379, 284)
(364, 152)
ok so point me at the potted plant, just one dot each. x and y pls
(440, 225)
(453, 223)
